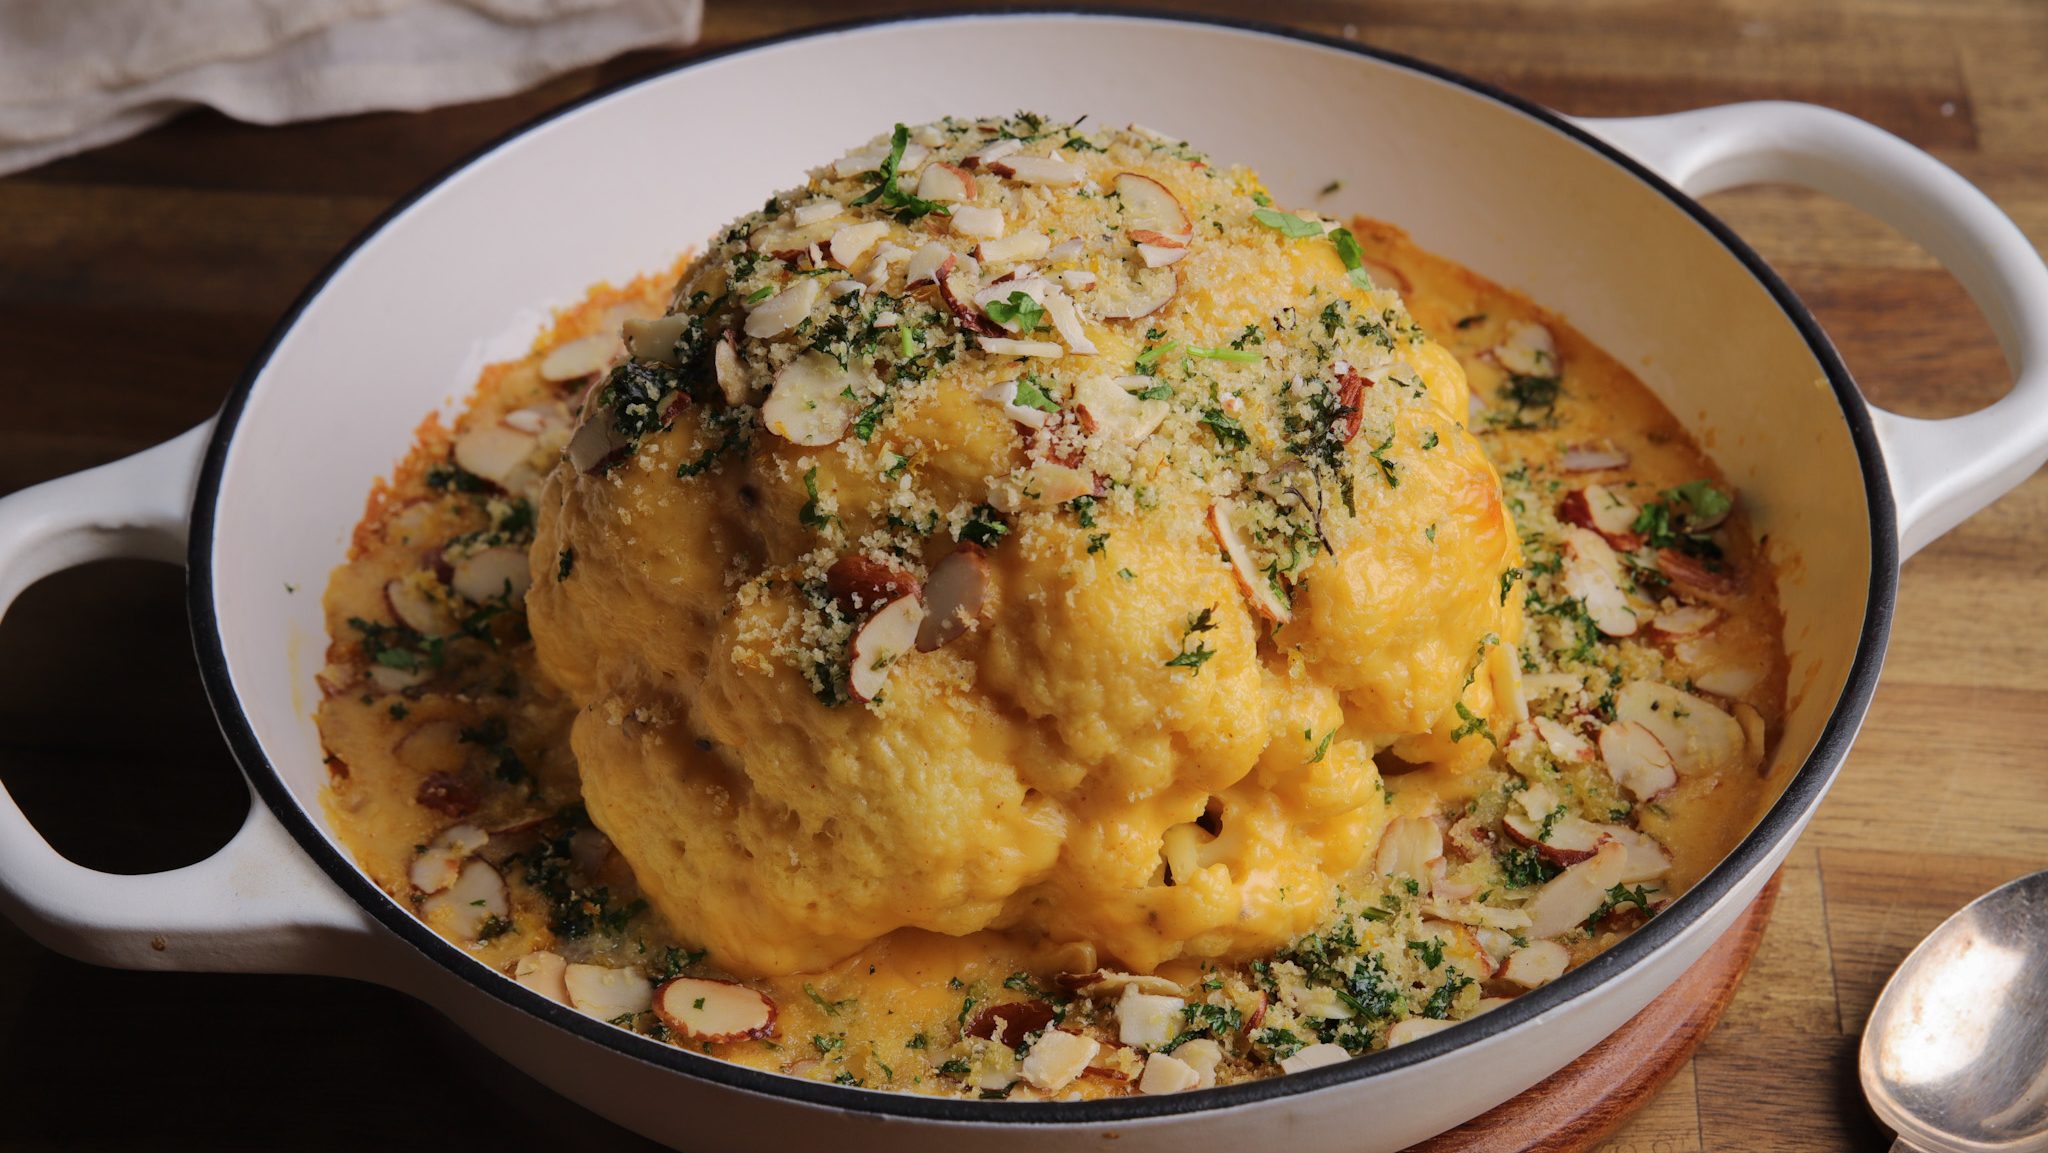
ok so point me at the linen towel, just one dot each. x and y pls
(76, 74)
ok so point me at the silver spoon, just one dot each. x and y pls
(1955, 1058)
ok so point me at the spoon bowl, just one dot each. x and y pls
(1955, 1057)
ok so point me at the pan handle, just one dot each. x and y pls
(1942, 471)
(258, 904)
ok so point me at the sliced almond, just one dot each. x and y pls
(1147, 291)
(536, 420)
(1701, 739)
(954, 596)
(873, 157)
(1411, 1029)
(815, 212)
(440, 863)
(1592, 573)
(543, 973)
(1565, 742)
(1753, 734)
(1161, 255)
(1003, 288)
(1598, 457)
(1637, 760)
(1166, 1073)
(1012, 248)
(1147, 1020)
(1644, 859)
(1066, 320)
(885, 638)
(1203, 1056)
(1057, 1058)
(491, 574)
(1036, 170)
(980, 223)
(1536, 964)
(996, 150)
(1351, 386)
(496, 453)
(1612, 515)
(1692, 575)
(1461, 945)
(1326, 1053)
(784, 310)
(1409, 847)
(597, 443)
(1004, 393)
(809, 404)
(945, 183)
(1528, 350)
(1729, 680)
(1076, 279)
(1005, 346)
(1009, 1023)
(417, 609)
(1108, 982)
(471, 902)
(1052, 483)
(1157, 239)
(730, 371)
(926, 263)
(606, 993)
(1566, 900)
(1250, 581)
(957, 290)
(860, 583)
(1110, 410)
(391, 680)
(852, 242)
(656, 339)
(579, 358)
(1567, 841)
(1149, 206)
(714, 1011)
(1686, 620)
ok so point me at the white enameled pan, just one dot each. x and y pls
(1592, 218)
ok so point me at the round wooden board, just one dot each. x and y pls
(1583, 1102)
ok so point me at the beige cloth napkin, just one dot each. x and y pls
(76, 74)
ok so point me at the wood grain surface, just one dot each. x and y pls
(135, 282)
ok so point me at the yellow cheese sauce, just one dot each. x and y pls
(1602, 754)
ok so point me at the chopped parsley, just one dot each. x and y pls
(1438, 1007)
(1618, 896)
(1227, 429)
(1287, 224)
(1031, 395)
(810, 514)
(1193, 659)
(1474, 724)
(985, 527)
(1234, 355)
(1323, 748)
(908, 207)
(1019, 312)
(1431, 951)
(1353, 258)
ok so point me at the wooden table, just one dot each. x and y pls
(136, 281)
